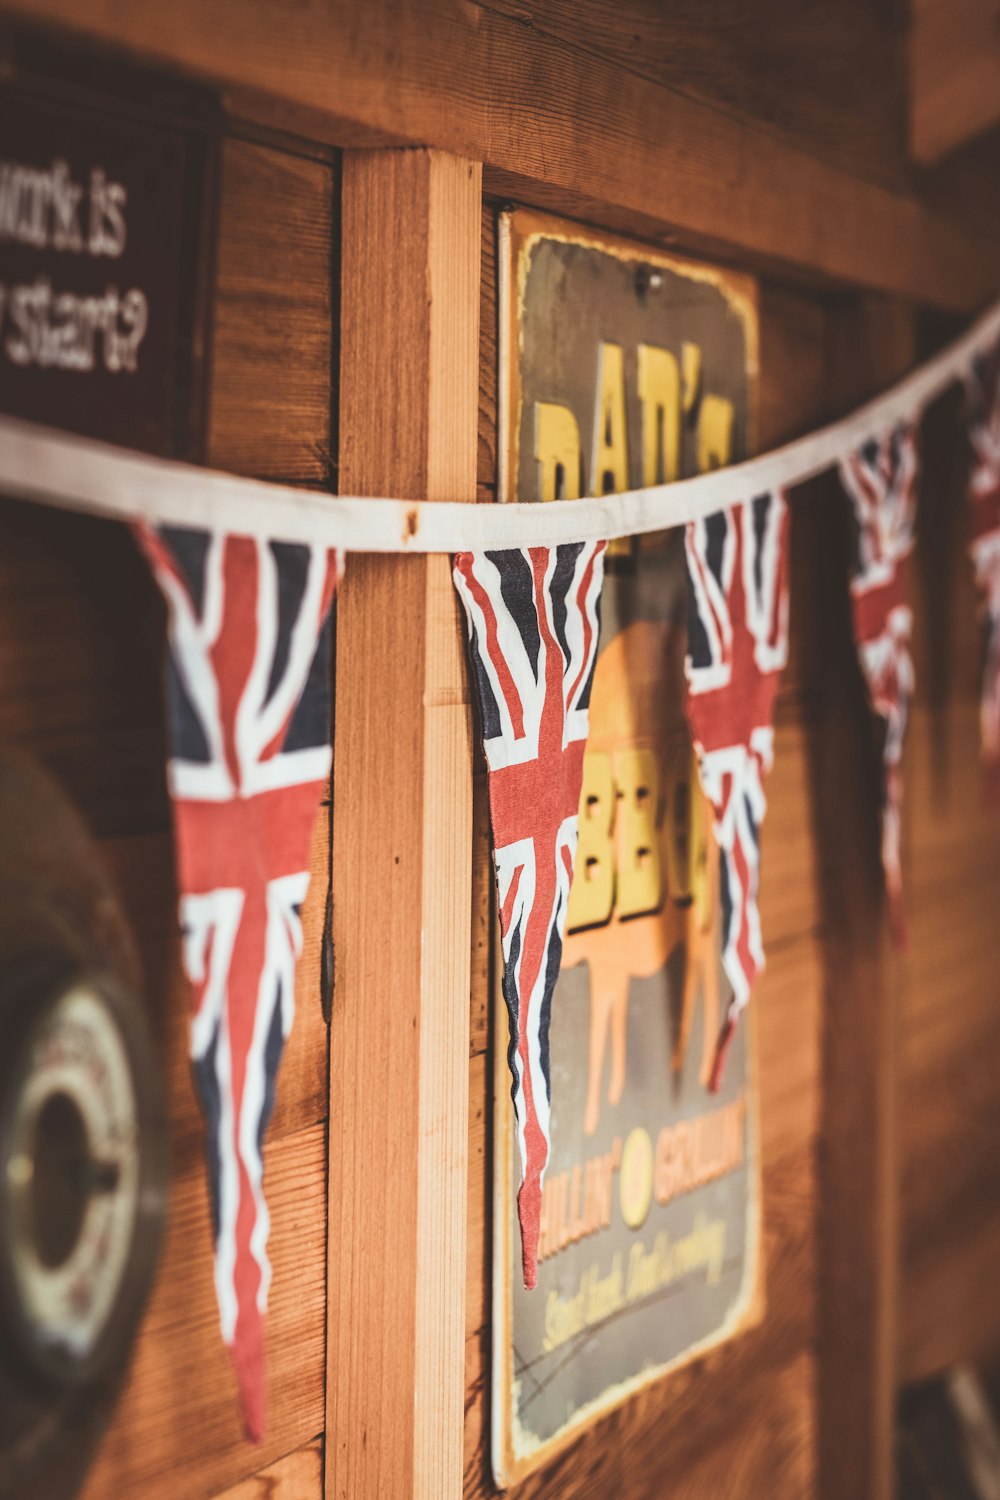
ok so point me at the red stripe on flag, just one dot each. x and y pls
(492, 645)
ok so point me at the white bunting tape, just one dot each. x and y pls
(74, 473)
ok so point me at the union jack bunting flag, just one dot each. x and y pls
(534, 619)
(737, 563)
(248, 719)
(983, 400)
(881, 482)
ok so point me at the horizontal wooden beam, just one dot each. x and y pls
(552, 126)
(954, 74)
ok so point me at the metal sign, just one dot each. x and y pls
(621, 367)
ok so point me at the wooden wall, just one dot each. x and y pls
(763, 1414)
(950, 1104)
(80, 645)
(694, 1432)
(80, 625)
(773, 136)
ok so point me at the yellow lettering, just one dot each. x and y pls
(610, 471)
(715, 433)
(698, 1150)
(691, 368)
(557, 449)
(660, 396)
(660, 399)
(678, 822)
(640, 882)
(592, 893)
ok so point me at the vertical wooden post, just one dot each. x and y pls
(402, 843)
(872, 344)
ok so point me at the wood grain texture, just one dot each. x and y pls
(270, 401)
(555, 125)
(177, 1429)
(587, 117)
(770, 1452)
(949, 1108)
(486, 455)
(791, 396)
(84, 626)
(483, 879)
(954, 74)
(826, 76)
(950, 1100)
(483, 908)
(869, 344)
(792, 399)
(82, 644)
(298, 1476)
(401, 860)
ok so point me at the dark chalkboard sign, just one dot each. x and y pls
(105, 237)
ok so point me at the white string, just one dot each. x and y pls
(74, 473)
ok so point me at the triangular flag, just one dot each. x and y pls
(881, 482)
(534, 619)
(249, 728)
(737, 561)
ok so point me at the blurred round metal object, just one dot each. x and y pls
(83, 1163)
(75, 1240)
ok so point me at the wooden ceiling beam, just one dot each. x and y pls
(559, 127)
(954, 74)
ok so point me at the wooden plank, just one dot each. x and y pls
(571, 132)
(773, 1457)
(298, 1476)
(177, 1428)
(401, 859)
(272, 316)
(89, 686)
(950, 1095)
(79, 662)
(824, 75)
(791, 391)
(483, 909)
(486, 456)
(954, 74)
(788, 1032)
(789, 892)
(859, 1162)
(80, 688)
(483, 878)
(949, 1301)
(81, 653)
